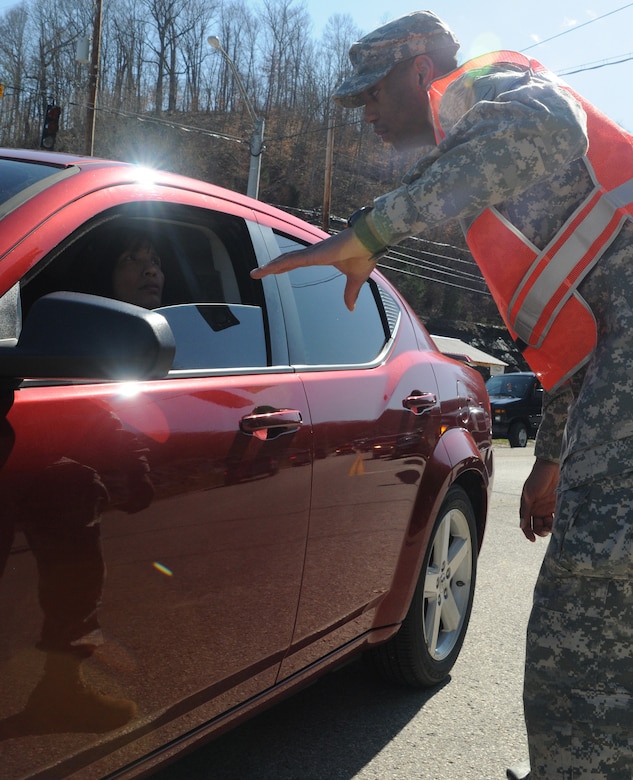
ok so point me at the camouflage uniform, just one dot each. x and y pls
(517, 142)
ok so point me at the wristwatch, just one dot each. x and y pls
(358, 222)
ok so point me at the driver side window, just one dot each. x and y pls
(216, 335)
(195, 261)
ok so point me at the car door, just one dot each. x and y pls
(373, 402)
(154, 530)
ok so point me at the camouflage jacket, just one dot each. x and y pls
(516, 141)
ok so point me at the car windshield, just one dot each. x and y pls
(508, 385)
(18, 175)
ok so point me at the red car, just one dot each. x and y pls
(194, 519)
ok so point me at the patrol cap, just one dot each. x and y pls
(374, 55)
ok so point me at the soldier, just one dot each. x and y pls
(541, 183)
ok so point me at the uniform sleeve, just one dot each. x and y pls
(516, 135)
(549, 438)
(551, 432)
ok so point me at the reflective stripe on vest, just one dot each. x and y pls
(536, 291)
(559, 269)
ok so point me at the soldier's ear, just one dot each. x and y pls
(425, 70)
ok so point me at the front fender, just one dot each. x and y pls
(455, 460)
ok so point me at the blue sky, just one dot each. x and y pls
(587, 34)
(584, 39)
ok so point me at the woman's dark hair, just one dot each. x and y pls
(107, 246)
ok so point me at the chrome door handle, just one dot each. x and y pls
(418, 402)
(269, 423)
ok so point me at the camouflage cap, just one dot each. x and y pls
(373, 56)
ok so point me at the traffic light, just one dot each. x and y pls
(51, 126)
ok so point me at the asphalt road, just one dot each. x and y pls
(348, 726)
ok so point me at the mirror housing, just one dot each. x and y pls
(78, 336)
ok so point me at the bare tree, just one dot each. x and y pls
(237, 32)
(155, 57)
(164, 15)
(286, 27)
(13, 58)
(194, 49)
(334, 64)
(124, 55)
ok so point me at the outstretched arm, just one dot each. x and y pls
(344, 251)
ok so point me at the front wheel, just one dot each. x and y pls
(430, 638)
(518, 434)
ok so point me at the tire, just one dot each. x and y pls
(430, 638)
(518, 434)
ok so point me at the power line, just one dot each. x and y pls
(170, 123)
(436, 245)
(141, 117)
(435, 273)
(577, 27)
(597, 64)
(421, 264)
(446, 283)
(429, 264)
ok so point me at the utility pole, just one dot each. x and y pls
(93, 79)
(327, 185)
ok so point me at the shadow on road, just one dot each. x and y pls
(327, 732)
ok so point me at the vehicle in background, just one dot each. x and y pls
(194, 518)
(516, 402)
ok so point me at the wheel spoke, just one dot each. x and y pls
(430, 583)
(432, 624)
(442, 539)
(451, 614)
(459, 552)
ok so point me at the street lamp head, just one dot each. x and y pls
(257, 139)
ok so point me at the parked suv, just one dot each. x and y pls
(516, 401)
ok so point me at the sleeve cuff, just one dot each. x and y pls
(361, 226)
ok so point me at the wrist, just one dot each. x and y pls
(360, 223)
(546, 461)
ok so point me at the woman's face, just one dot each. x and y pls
(138, 277)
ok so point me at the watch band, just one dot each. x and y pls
(362, 231)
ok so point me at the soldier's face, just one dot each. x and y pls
(398, 106)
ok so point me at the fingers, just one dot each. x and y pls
(538, 500)
(326, 252)
(281, 264)
(343, 251)
(352, 290)
(526, 527)
(537, 526)
(536, 518)
(542, 525)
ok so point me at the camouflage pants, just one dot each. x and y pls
(578, 689)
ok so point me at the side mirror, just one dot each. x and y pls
(78, 336)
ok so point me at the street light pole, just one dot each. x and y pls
(257, 137)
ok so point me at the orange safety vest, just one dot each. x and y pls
(536, 290)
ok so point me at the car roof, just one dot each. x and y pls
(127, 170)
